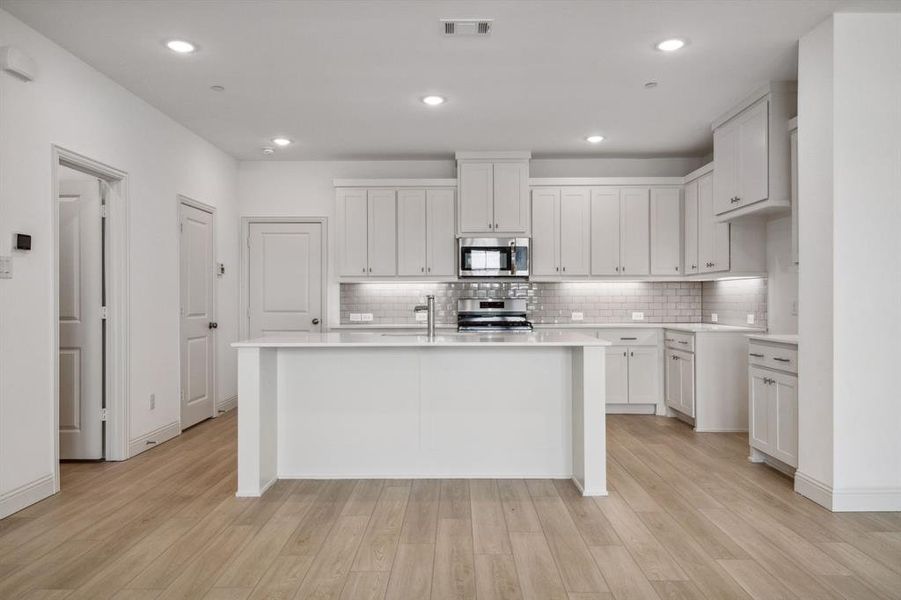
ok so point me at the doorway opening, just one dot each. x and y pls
(89, 280)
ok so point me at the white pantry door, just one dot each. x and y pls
(80, 321)
(198, 344)
(285, 278)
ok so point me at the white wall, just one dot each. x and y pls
(850, 254)
(304, 188)
(782, 281)
(74, 106)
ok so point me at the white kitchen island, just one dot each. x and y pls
(370, 405)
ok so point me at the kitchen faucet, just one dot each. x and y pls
(429, 306)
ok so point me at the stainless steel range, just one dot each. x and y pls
(492, 314)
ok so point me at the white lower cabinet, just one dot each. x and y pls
(772, 406)
(632, 368)
(680, 381)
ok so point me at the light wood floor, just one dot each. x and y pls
(687, 517)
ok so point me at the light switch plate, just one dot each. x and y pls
(356, 317)
(366, 317)
(6, 267)
(422, 316)
(638, 316)
(714, 317)
(577, 316)
(794, 308)
(750, 318)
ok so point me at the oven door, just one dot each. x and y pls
(486, 259)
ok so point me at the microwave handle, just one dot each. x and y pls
(513, 257)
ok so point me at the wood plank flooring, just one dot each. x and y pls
(687, 517)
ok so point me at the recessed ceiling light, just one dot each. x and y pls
(268, 150)
(433, 100)
(181, 46)
(281, 141)
(217, 88)
(595, 139)
(670, 45)
(650, 85)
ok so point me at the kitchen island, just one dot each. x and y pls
(370, 405)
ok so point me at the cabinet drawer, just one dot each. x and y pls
(679, 340)
(773, 356)
(629, 337)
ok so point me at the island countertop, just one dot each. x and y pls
(348, 339)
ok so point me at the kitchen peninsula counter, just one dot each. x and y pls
(352, 404)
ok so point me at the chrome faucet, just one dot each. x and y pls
(429, 306)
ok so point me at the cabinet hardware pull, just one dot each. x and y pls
(364, 269)
(370, 269)
(756, 355)
(682, 341)
(631, 354)
(624, 353)
(422, 269)
(693, 267)
(628, 338)
(495, 225)
(556, 268)
(430, 269)
(564, 268)
(782, 359)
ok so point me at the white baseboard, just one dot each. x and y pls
(590, 491)
(631, 409)
(252, 494)
(26, 495)
(154, 438)
(721, 430)
(848, 500)
(226, 405)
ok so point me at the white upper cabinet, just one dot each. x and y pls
(545, 248)
(561, 232)
(476, 184)
(605, 222)
(382, 233)
(713, 236)
(494, 194)
(575, 231)
(690, 237)
(793, 141)
(666, 231)
(441, 248)
(411, 232)
(751, 154)
(353, 219)
(635, 232)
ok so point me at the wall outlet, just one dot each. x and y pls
(152, 401)
(750, 318)
(714, 317)
(577, 316)
(356, 317)
(366, 317)
(638, 316)
(6, 267)
(421, 316)
(794, 308)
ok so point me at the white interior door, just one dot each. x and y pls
(198, 346)
(285, 278)
(80, 321)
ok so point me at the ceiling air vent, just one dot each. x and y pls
(466, 26)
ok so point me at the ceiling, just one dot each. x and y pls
(344, 79)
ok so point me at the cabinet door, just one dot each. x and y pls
(783, 394)
(605, 221)
(353, 218)
(411, 232)
(476, 197)
(635, 219)
(753, 157)
(690, 220)
(441, 242)
(666, 231)
(759, 410)
(511, 197)
(545, 246)
(672, 380)
(643, 375)
(382, 233)
(725, 167)
(687, 377)
(575, 231)
(617, 365)
(713, 236)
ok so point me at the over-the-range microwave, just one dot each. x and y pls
(494, 257)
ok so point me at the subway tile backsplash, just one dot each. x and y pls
(554, 303)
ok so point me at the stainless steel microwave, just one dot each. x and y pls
(494, 257)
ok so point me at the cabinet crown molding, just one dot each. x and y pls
(494, 155)
(394, 183)
(773, 87)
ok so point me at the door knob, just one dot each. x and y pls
(315, 321)
(213, 325)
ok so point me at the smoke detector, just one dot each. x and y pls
(477, 27)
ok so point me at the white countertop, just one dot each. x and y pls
(781, 338)
(346, 339)
(690, 327)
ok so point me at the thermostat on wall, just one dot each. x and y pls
(21, 241)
